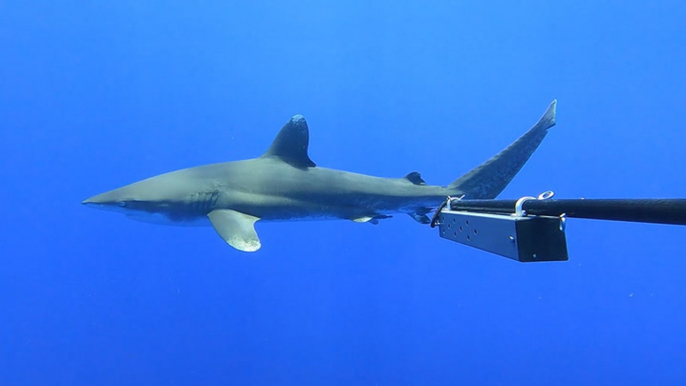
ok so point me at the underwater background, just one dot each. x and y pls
(95, 95)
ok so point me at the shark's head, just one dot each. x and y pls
(159, 199)
(129, 199)
(123, 201)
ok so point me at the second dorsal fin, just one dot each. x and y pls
(415, 178)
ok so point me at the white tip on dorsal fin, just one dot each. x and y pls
(291, 144)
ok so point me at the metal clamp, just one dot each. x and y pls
(446, 204)
(519, 205)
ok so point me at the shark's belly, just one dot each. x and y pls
(168, 219)
(331, 208)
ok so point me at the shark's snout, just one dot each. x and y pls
(105, 202)
(93, 202)
(90, 202)
(97, 199)
(102, 201)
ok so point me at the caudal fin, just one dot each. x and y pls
(487, 180)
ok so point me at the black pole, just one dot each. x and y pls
(650, 210)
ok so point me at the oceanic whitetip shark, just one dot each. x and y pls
(285, 185)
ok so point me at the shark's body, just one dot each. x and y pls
(285, 185)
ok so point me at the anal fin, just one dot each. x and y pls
(420, 218)
(236, 228)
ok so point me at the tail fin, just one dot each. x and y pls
(487, 180)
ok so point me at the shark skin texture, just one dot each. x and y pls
(284, 184)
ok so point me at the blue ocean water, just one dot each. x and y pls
(97, 95)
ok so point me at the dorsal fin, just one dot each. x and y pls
(415, 178)
(290, 145)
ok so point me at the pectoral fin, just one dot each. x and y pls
(236, 228)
